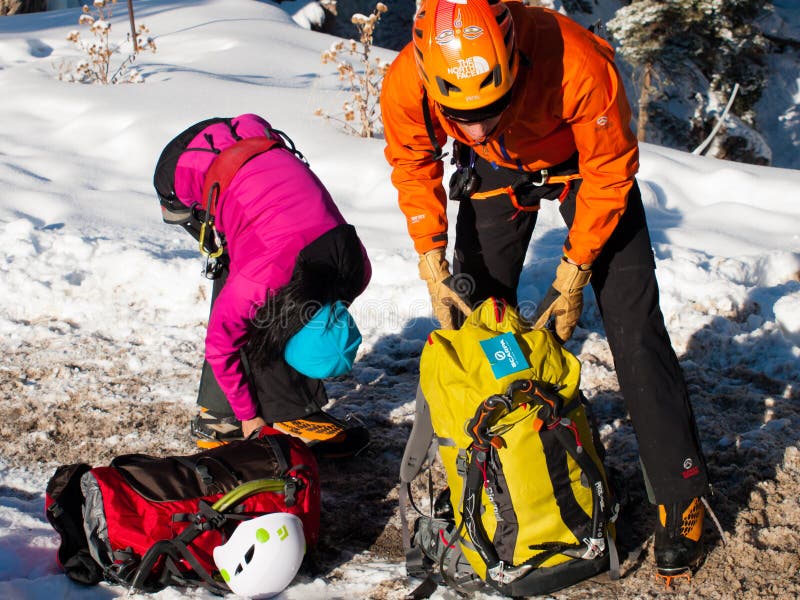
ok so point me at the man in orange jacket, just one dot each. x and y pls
(537, 111)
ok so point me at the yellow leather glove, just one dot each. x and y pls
(435, 270)
(564, 299)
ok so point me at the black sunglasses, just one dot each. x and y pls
(478, 115)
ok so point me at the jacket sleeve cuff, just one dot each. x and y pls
(428, 243)
(579, 257)
(244, 408)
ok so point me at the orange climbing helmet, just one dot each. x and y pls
(465, 52)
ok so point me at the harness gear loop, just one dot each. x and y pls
(546, 179)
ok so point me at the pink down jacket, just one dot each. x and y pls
(273, 208)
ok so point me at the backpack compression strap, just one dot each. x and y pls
(176, 550)
(549, 420)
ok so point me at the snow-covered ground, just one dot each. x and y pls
(103, 308)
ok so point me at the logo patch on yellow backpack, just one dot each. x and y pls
(504, 355)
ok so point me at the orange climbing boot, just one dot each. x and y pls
(327, 436)
(679, 539)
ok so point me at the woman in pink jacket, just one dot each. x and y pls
(290, 267)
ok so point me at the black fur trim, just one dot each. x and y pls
(330, 268)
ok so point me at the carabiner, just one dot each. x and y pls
(202, 238)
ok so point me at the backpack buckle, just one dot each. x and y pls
(290, 491)
(208, 518)
(461, 463)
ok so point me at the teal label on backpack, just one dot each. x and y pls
(504, 355)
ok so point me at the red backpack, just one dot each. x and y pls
(147, 522)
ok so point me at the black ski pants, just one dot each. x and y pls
(492, 237)
(281, 392)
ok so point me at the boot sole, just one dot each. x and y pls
(670, 575)
(209, 444)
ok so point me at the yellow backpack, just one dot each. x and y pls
(531, 507)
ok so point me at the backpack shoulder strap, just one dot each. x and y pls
(437, 153)
(419, 440)
(417, 449)
(227, 164)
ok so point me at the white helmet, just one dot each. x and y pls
(262, 555)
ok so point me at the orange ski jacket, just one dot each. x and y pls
(567, 96)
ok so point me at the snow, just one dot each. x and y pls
(92, 279)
